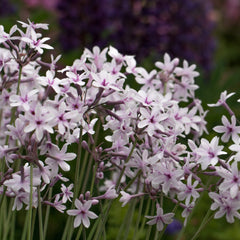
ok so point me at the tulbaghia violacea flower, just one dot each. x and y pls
(231, 179)
(24, 99)
(189, 191)
(225, 205)
(229, 129)
(67, 193)
(209, 152)
(39, 122)
(56, 157)
(223, 98)
(160, 219)
(82, 213)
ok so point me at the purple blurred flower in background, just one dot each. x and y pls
(83, 23)
(174, 227)
(6, 8)
(182, 28)
(47, 4)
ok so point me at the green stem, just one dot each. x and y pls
(41, 234)
(93, 178)
(89, 168)
(203, 224)
(86, 175)
(150, 226)
(19, 78)
(133, 180)
(137, 232)
(164, 88)
(79, 232)
(77, 168)
(130, 218)
(47, 215)
(30, 204)
(68, 227)
(128, 158)
(8, 222)
(83, 168)
(157, 237)
(24, 233)
(84, 234)
(145, 213)
(34, 213)
(103, 219)
(12, 234)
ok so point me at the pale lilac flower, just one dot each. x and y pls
(42, 171)
(39, 122)
(77, 78)
(141, 160)
(168, 64)
(3, 151)
(189, 191)
(32, 25)
(37, 44)
(20, 198)
(126, 197)
(111, 193)
(229, 129)
(187, 210)
(147, 98)
(58, 204)
(226, 206)
(50, 80)
(131, 64)
(19, 181)
(223, 97)
(105, 80)
(24, 99)
(231, 180)
(114, 53)
(57, 157)
(82, 213)
(54, 62)
(97, 56)
(7, 36)
(145, 78)
(88, 127)
(168, 176)
(151, 119)
(236, 148)
(160, 219)
(17, 132)
(63, 117)
(67, 193)
(208, 152)
(187, 71)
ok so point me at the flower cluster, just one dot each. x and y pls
(121, 142)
